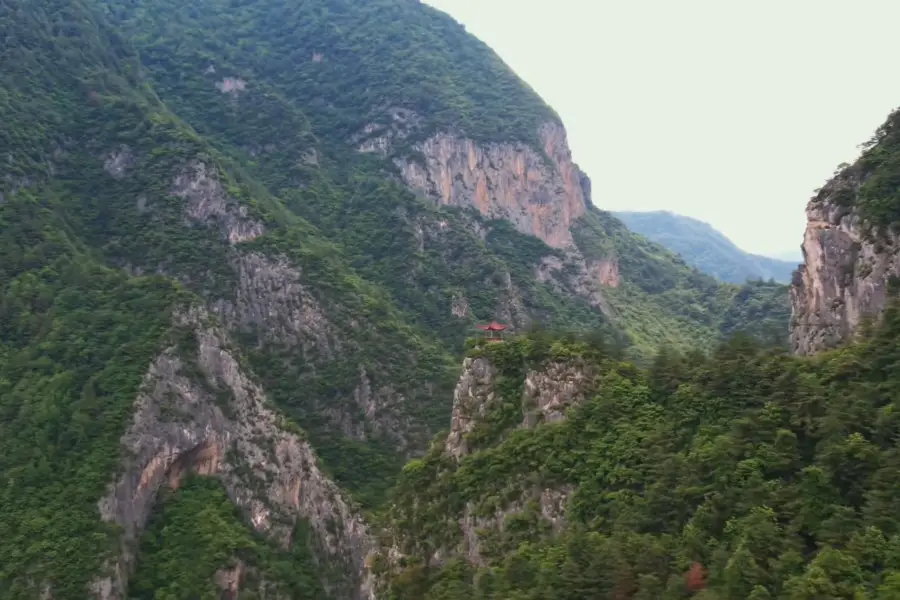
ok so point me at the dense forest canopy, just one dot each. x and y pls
(747, 473)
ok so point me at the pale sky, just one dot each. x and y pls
(730, 112)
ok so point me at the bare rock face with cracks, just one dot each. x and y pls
(846, 272)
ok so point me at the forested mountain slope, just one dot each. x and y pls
(569, 474)
(706, 248)
(247, 240)
(327, 98)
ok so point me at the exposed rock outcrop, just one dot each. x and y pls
(551, 506)
(198, 411)
(473, 396)
(540, 195)
(381, 137)
(208, 202)
(119, 161)
(553, 389)
(845, 274)
(575, 275)
(539, 190)
(231, 85)
(547, 394)
(272, 300)
(229, 580)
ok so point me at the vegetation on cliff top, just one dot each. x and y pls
(745, 474)
(872, 184)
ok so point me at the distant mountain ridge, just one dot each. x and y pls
(704, 247)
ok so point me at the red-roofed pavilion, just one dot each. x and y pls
(493, 332)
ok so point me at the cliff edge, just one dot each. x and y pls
(850, 250)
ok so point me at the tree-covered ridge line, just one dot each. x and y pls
(775, 474)
(870, 184)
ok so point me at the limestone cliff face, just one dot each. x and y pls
(207, 202)
(199, 412)
(473, 396)
(547, 393)
(845, 274)
(539, 190)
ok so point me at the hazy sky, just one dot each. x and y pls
(731, 112)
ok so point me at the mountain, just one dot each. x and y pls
(243, 245)
(745, 473)
(568, 473)
(705, 248)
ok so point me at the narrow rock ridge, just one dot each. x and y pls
(198, 411)
(548, 392)
(472, 397)
(845, 275)
(539, 190)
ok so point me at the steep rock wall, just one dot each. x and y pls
(845, 275)
(198, 411)
(547, 393)
(539, 190)
(273, 302)
(541, 195)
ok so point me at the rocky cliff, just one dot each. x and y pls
(848, 265)
(141, 175)
(537, 189)
(547, 391)
(199, 412)
(493, 398)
